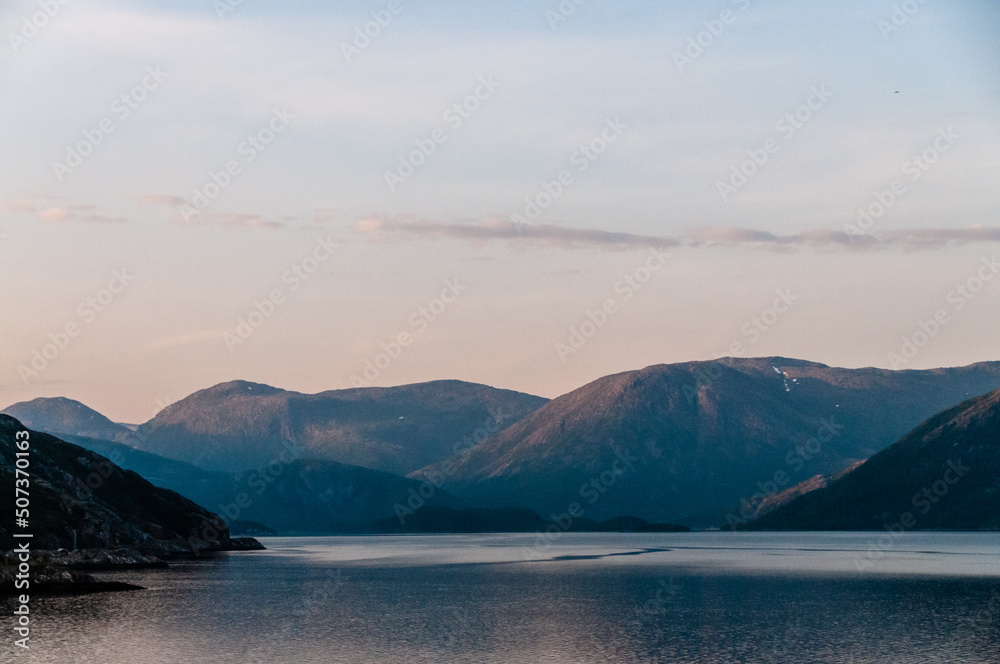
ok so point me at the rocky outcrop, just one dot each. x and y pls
(49, 577)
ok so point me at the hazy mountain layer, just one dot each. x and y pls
(60, 416)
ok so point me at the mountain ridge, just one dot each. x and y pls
(61, 415)
(944, 474)
(703, 431)
(80, 499)
(393, 429)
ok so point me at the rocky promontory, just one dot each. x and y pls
(85, 513)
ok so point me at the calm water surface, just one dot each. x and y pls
(511, 599)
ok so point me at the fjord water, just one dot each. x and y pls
(510, 599)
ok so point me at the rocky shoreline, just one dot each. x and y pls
(88, 514)
(59, 580)
(63, 572)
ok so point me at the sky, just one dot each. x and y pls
(529, 195)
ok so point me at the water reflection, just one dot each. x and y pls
(680, 598)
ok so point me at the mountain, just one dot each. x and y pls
(945, 474)
(205, 487)
(316, 496)
(60, 416)
(685, 442)
(79, 499)
(239, 425)
(289, 495)
(761, 504)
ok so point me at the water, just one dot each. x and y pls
(603, 598)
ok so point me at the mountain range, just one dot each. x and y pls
(683, 443)
(296, 495)
(691, 443)
(239, 425)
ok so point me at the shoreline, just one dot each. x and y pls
(64, 572)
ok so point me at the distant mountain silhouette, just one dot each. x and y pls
(317, 496)
(205, 487)
(61, 416)
(438, 519)
(945, 474)
(239, 425)
(288, 495)
(689, 441)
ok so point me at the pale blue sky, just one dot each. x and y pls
(324, 176)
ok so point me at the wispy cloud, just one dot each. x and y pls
(230, 220)
(381, 229)
(918, 238)
(54, 215)
(324, 215)
(162, 199)
(404, 227)
(221, 219)
(24, 206)
(57, 210)
(86, 213)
